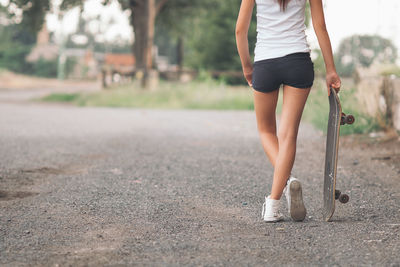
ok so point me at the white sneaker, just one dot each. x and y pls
(294, 197)
(270, 210)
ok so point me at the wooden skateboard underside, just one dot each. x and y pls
(332, 147)
(336, 118)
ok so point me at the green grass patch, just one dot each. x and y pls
(168, 95)
(60, 97)
(391, 70)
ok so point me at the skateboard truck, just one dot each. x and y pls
(344, 119)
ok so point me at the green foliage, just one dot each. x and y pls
(174, 21)
(15, 45)
(363, 50)
(344, 69)
(211, 42)
(232, 80)
(319, 63)
(14, 59)
(45, 68)
(205, 77)
(33, 13)
(176, 14)
(69, 65)
(166, 43)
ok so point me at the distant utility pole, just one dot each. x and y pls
(61, 60)
(61, 56)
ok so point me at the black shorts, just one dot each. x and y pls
(295, 70)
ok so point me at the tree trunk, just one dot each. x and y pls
(143, 20)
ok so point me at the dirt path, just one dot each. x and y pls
(98, 186)
(17, 88)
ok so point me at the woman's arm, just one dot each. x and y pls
(242, 28)
(318, 21)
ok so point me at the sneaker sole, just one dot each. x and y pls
(297, 209)
(273, 220)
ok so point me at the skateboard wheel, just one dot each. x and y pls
(337, 194)
(343, 198)
(350, 119)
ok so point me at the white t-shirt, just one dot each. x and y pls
(280, 33)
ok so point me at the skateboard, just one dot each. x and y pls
(336, 119)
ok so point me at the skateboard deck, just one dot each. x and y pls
(335, 120)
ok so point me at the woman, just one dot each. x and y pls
(282, 56)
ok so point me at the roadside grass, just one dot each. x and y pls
(61, 97)
(215, 95)
(168, 95)
(316, 110)
(391, 70)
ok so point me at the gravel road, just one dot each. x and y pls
(115, 187)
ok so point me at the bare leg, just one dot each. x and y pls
(294, 100)
(265, 106)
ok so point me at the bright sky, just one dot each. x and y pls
(120, 28)
(347, 17)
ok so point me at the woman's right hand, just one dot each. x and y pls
(248, 75)
(333, 80)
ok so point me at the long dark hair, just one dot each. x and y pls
(283, 4)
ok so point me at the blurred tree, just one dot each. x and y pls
(166, 43)
(363, 50)
(143, 16)
(33, 12)
(206, 26)
(212, 39)
(15, 45)
(173, 25)
(45, 68)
